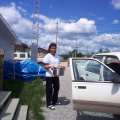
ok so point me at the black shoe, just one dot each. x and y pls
(51, 107)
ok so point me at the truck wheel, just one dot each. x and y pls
(117, 117)
(81, 78)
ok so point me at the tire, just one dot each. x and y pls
(117, 117)
(81, 78)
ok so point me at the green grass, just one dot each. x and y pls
(64, 61)
(30, 94)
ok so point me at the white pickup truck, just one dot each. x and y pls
(96, 83)
(24, 55)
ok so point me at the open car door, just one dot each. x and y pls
(95, 87)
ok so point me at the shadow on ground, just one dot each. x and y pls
(64, 100)
(81, 115)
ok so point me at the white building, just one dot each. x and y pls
(8, 39)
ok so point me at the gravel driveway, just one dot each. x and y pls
(65, 111)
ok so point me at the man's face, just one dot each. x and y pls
(53, 50)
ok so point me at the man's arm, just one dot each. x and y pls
(47, 67)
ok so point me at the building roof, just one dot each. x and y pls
(23, 44)
(7, 32)
(43, 49)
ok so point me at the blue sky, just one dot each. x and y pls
(95, 23)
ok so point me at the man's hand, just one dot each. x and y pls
(47, 67)
(52, 67)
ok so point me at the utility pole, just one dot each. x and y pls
(56, 32)
(87, 49)
(76, 48)
(59, 50)
(35, 31)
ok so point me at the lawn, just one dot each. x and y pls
(30, 94)
(64, 60)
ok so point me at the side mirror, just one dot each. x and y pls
(116, 78)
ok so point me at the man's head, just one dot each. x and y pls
(52, 48)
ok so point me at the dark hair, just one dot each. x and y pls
(51, 45)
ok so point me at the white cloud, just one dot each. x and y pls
(84, 29)
(115, 21)
(48, 20)
(72, 21)
(10, 13)
(22, 9)
(20, 25)
(81, 28)
(116, 4)
(110, 41)
(101, 18)
(21, 3)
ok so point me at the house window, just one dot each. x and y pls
(39, 54)
(15, 55)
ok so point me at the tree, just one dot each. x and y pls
(72, 53)
(103, 51)
(100, 50)
(92, 53)
(79, 54)
(106, 50)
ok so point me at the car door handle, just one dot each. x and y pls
(81, 87)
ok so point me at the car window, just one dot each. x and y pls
(78, 67)
(94, 67)
(107, 74)
(100, 58)
(91, 70)
(111, 59)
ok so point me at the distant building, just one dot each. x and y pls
(8, 39)
(61, 57)
(87, 55)
(22, 48)
(42, 52)
(65, 57)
